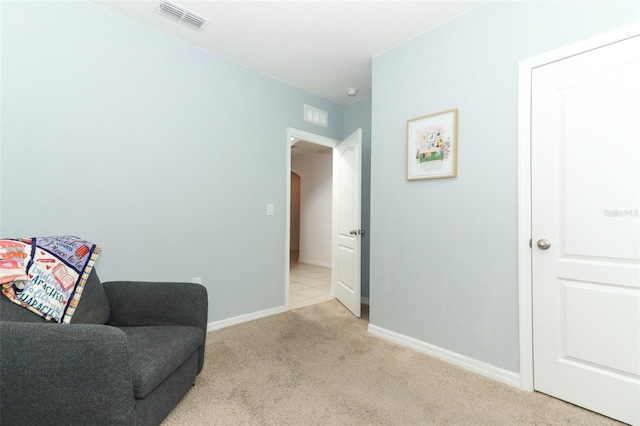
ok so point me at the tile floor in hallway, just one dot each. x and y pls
(308, 284)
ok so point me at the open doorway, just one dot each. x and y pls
(310, 224)
(346, 232)
(305, 142)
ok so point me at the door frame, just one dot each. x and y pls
(293, 136)
(525, 282)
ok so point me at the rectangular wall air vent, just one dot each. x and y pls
(316, 116)
(182, 15)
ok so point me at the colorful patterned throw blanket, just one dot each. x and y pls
(46, 274)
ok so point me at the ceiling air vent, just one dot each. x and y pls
(182, 15)
(316, 116)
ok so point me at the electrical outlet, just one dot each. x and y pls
(196, 280)
(269, 209)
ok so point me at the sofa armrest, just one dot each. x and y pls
(136, 303)
(71, 374)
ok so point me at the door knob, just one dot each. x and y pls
(353, 232)
(543, 244)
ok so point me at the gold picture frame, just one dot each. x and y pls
(432, 146)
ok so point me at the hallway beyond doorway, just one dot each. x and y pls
(308, 284)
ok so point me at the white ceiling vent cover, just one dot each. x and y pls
(182, 15)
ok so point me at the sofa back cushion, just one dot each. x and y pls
(93, 307)
(10, 311)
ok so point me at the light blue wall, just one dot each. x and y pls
(1, 233)
(161, 153)
(444, 252)
(358, 115)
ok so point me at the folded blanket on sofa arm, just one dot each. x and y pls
(46, 275)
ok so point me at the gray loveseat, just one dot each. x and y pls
(131, 352)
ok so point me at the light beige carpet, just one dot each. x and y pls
(317, 365)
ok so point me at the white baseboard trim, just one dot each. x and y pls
(314, 262)
(217, 325)
(479, 367)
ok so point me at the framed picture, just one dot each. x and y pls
(432, 142)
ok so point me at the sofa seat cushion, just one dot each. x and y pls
(155, 352)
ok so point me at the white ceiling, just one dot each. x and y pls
(303, 147)
(323, 47)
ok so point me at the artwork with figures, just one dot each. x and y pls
(431, 146)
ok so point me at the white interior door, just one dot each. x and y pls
(585, 197)
(345, 272)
